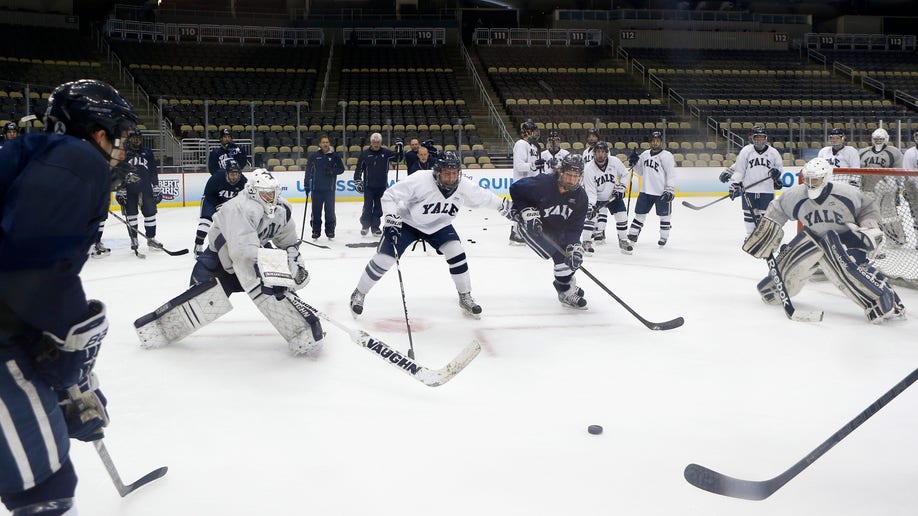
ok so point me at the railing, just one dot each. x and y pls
(818, 57)
(905, 98)
(861, 42)
(538, 37)
(873, 83)
(493, 115)
(200, 33)
(375, 36)
(680, 15)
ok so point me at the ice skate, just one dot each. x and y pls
(357, 303)
(100, 251)
(625, 245)
(469, 306)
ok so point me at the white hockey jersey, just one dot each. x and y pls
(524, 156)
(588, 154)
(658, 170)
(241, 227)
(599, 183)
(553, 161)
(910, 159)
(752, 166)
(421, 204)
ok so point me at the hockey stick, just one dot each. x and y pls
(180, 252)
(703, 206)
(401, 286)
(429, 377)
(362, 244)
(320, 246)
(776, 277)
(305, 213)
(76, 396)
(717, 483)
(665, 325)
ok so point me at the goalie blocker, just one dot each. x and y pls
(837, 255)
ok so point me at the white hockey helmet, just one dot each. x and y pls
(265, 189)
(816, 174)
(880, 138)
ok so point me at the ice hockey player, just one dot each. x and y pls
(910, 186)
(551, 209)
(10, 132)
(217, 191)
(50, 334)
(146, 191)
(840, 155)
(423, 207)
(592, 138)
(526, 162)
(755, 162)
(228, 150)
(604, 181)
(553, 155)
(880, 154)
(252, 248)
(658, 168)
(840, 236)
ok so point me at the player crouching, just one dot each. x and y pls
(840, 236)
(253, 248)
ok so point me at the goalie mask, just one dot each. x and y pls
(82, 107)
(816, 174)
(265, 189)
(837, 139)
(759, 138)
(880, 138)
(570, 174)
(446, 172)
(554, 142)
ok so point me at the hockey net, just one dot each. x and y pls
(896, 193)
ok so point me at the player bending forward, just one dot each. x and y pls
(423, 207)
(238, 258)
(551, 209)
(840, 236)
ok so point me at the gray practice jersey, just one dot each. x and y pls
(886, 157)
(837, 205)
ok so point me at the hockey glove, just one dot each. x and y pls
(726, 175)
(531, 221)
(506, 208)
(358, 185)
(573, 256)
(392, 226)
(776, 178)
(736, 190)
(157, 194)
(84, 410)
(592, 209)
(618, 193)
(121, 196)
(538, 164)
(633, 158)
(64, 362)
(667, 196)
(552, 163)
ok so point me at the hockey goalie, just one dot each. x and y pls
(840, 236)
(252, 248)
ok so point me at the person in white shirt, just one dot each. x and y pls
(754, 164)
(840, 155)
(658, 168)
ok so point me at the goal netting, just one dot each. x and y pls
(896, 194)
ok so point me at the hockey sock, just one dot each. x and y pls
(458, 265)
(374, 271)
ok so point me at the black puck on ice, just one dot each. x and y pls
(594, 429)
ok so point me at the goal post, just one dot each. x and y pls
(895, 192)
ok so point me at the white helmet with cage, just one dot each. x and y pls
(816, 175)
(265, 189)
(880, 138)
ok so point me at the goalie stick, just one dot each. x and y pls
(665, 325)
(429, 377)
(717, 483)
(180, 252)
(703, 206)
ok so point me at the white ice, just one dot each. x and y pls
(247, 429)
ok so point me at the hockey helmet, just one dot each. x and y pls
(138, 134)
(816, 174)
(447, 162)
(571, 166)
(837, 138)
(880, 138)
(592, 135)
(656, 135)
(601, 146)
(81, 107)
(265, 189)
(10, 127)
(528, 126)
(554, 141)
(232, 168)
(759, 137)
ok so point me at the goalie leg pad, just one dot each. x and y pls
(765, 238)
(293, 320)
(797, 263)
(864, 285)
(198, 306)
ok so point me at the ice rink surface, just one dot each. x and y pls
(247, 429)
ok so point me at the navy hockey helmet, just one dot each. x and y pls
(528, 126)
(759, 137)
(837, 138)
(656, 135)
(10, 127)
(233, 168)
(592, 135)
(447, 161)
(601, 146)
(81, 107)
(566, 181)
(138, 134)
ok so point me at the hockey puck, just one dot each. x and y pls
(594, 429)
